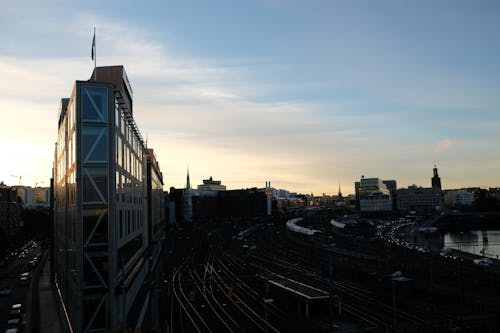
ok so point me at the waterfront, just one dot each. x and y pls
(475, 242)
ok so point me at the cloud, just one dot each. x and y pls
(192, 110)
(244, 120)
(443, 145)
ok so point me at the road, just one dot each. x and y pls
(9, 277)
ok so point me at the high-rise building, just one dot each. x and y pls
(367, 186)
(100, 205)
(374, 196)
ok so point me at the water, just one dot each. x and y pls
(475, 242)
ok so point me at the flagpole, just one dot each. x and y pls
(95, 58)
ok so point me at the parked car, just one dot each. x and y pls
(485, 262)
(32, 263)
(5, 291)
(24, 281)
(15, 313)
(12, 330)
(13, 322)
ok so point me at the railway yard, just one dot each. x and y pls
(269, 276)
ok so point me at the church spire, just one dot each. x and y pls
(340, 192)
(188, 183)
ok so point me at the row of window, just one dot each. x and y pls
(128, 190)
(129, 221)
(128, 159)
(124, 127)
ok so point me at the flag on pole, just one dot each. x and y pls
(93, 46)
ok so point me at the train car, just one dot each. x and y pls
(303, 235)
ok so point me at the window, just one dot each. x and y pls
(117, 115)
(95, 187)
(94, 104)
(94, 144)
(121, 224)
(128, 221)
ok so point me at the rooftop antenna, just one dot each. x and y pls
(94, 56)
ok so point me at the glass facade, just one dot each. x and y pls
(65, 206)
(100, 208)
(95, 179)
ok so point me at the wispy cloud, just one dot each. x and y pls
(443, 145)
(247, 120)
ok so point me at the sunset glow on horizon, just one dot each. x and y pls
(307, 95)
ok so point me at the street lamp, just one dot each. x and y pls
(396, 277)
(266, 302)
(330, 276)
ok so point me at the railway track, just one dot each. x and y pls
(203, 300)
(358, 302)
(217, 292)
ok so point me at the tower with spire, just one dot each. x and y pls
(435, 180)
(188, 183)
(188, 200)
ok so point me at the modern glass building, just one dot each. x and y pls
(100, 205)
(374, 195)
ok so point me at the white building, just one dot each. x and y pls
(376, 202)
(458, 198)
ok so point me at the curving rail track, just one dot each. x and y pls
(358, 302)
(209, 296)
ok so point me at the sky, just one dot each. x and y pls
(309, 95)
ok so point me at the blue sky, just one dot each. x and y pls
(306, 94)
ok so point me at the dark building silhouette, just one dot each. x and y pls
(176, 204)
(239, 203)
(9, 209)
(156, 207)
(232, 203)
(435, 180)
(418, 199)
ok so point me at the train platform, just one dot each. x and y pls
(303, 291)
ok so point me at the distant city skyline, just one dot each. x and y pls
(307, 95)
